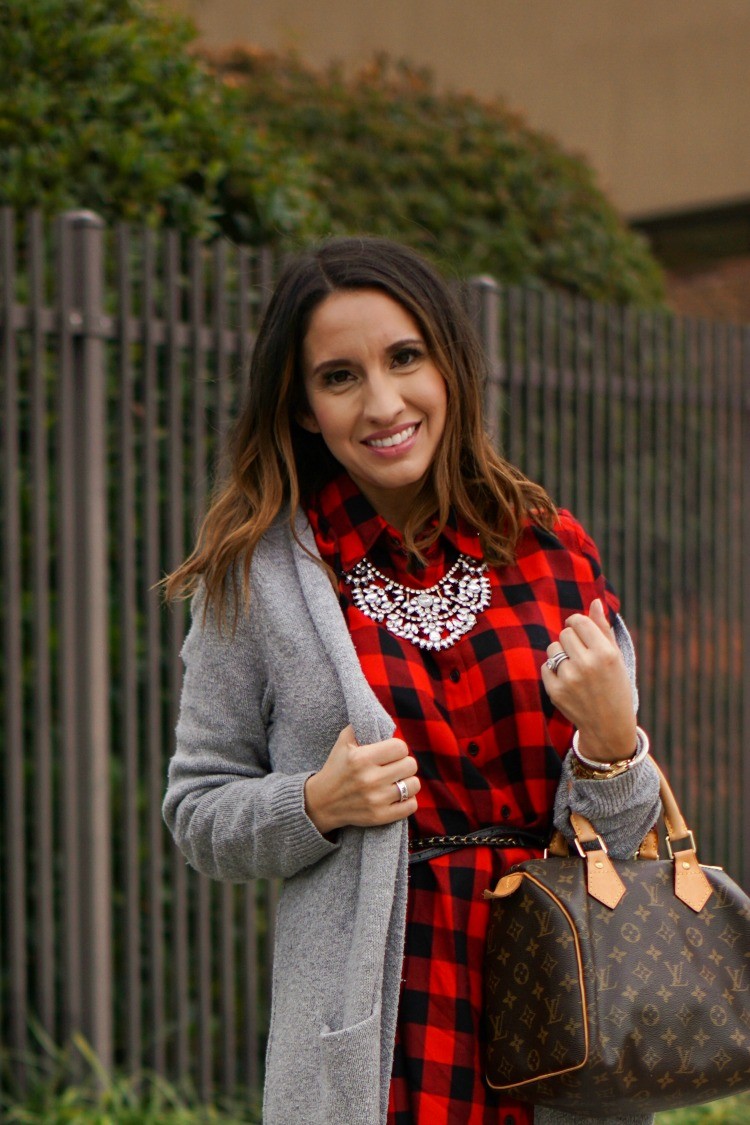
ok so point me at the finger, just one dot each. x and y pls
(598, 615)
(548, 679)
(387, 751)
(348, 735)
(586, 631)
(404, 768)
(401, 810)
(573, 644)
(553, 684)
(556, 655)
(413, 786)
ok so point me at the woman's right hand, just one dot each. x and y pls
(357, 784)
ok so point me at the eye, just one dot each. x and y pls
(406, 356)
(338, 378)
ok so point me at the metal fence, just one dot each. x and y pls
(122, 357)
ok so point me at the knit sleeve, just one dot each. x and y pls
(231, 815)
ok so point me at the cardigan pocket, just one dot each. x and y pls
(350, 1072)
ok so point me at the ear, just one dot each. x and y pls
(307, 421)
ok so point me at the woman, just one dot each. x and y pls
(334, 725)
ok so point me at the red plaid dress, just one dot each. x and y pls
(489, 746)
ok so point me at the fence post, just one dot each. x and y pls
(84, 628)
(744, 781)
(13, 895)
(483, 306)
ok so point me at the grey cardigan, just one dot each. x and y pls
(259, 714)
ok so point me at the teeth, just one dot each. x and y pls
(395, 439)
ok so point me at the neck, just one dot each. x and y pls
(397, 505)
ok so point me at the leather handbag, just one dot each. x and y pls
(618, 986)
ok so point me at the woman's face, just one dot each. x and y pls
(374, 395)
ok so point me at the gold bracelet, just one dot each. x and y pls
(584, 773)
(588, 770)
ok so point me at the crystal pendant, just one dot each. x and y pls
(432, 619)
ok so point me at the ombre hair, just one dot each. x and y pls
(272, 464)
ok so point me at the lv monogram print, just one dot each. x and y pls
(645, 1007)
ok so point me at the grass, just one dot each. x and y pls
(728, 1111)
(152, 1101)
(124, 1103)
(146, 1099)
(96, 1098)
(155, 1102)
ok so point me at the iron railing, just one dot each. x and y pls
(122, 360)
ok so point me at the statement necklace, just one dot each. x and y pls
(434, 618)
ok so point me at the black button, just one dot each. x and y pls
(509, 1119)
(455, 675)
(473, 749)
(505, 812)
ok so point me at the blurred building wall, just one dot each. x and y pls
(656, 93)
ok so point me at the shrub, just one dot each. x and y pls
(103, 106)
(461, 179)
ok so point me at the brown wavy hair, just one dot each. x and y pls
(271, 462)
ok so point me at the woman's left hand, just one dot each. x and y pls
(592, 687)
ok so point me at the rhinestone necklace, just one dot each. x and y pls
(434, 618)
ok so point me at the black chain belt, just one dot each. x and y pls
(496, 836)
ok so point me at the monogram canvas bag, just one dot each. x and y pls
(618, 986)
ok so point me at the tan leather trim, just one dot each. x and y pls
(602, 881)
(536, 1077)
(690, 883)
(649, 849)
(582, 827)
(505, 886)
(672, 816)
(584, 1008)
(558, 845)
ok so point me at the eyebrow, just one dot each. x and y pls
(332, 364)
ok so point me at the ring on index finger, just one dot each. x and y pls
(403, 792)
(555, 661)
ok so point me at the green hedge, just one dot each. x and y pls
(461, 179)
(103, 105)
(106, 104)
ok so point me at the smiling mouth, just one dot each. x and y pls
(393, 439)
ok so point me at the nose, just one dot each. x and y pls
(382, 400)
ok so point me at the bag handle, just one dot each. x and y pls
(604, 884)
(690, 883)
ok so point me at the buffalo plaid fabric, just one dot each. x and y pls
(489, 746)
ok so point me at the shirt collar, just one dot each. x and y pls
(347, 526)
